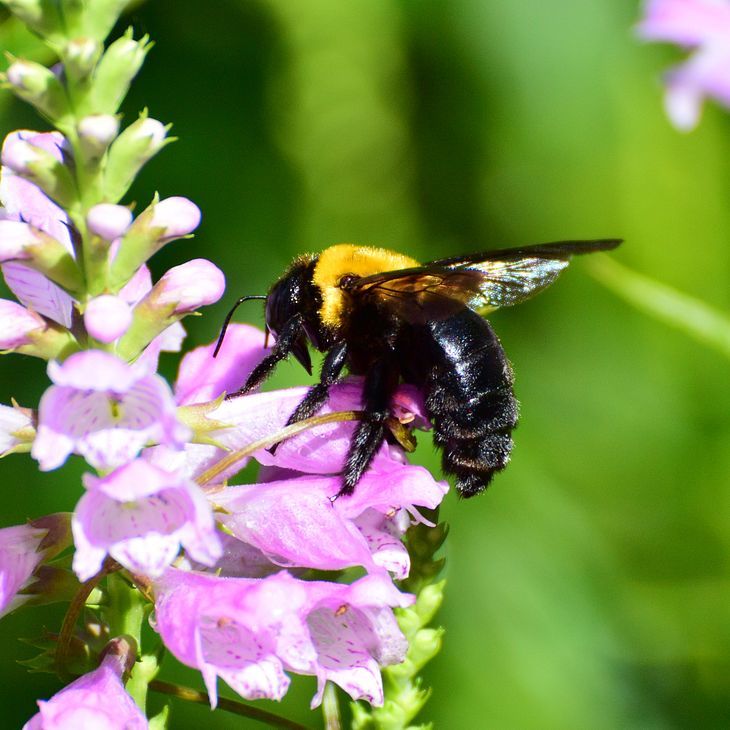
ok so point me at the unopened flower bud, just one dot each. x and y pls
(177, 216)
(22, 242)
(80, 57)
(160, 223)
(98, 131)
(39, 86)
(180, 291)
(138, 143)
(116, 69)
(193, 284)
(109, 221)
(41, 167)
(107, 317)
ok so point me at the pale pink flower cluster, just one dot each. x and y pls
(227, 565)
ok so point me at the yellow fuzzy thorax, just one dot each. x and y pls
(347, 258)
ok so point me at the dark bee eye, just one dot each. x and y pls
(347, 280)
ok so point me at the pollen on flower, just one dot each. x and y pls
(341, 610)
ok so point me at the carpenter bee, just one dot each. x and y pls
(383, 315)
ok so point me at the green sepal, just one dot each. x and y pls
(80, 56)
(128, 154)
(34, 83)
(41, 16)
(114, 73)
(94, 18)
(51, 176)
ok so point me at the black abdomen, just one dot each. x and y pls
(467, 381)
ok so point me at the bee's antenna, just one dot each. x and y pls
(227, 320)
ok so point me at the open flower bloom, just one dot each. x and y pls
(105, 410)
(94, 701)
(704, 26)
(141, 515)
(248, 632)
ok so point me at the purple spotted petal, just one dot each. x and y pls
(95, 701)
(38, 293)
(141, 516)
(239, 629)
(203, 378)
(105, 410)
(355, 633)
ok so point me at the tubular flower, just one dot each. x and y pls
(141, 515)
(105, 410)
(94, 701)
(249, 631)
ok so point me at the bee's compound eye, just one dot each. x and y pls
(347, 280)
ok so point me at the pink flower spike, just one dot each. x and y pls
(105, 410)
(202, 377)
(189, 286)
(109, 221)
(177, 216)
(107, 317)
(141, 515)
(16, 322)
(93, 701)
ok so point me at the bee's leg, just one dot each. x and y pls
(332, 366)
(283, 346)
(380, 384)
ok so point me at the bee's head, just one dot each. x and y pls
(291, 296)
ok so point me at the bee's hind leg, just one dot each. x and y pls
(380, 384)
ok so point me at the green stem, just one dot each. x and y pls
(74, 610)
(237, 708)
(331, 708)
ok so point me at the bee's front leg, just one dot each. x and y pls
(283, 346)
(332, 366)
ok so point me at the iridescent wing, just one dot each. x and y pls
(482, 281)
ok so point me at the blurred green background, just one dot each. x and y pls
(589, 587)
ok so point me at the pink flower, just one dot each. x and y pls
(94, 701)
(141, 516)
(24, 201)
(105, 410)
(202, 377)
(249, 631)
(22, 549)
(294, 522)
(702, 25)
